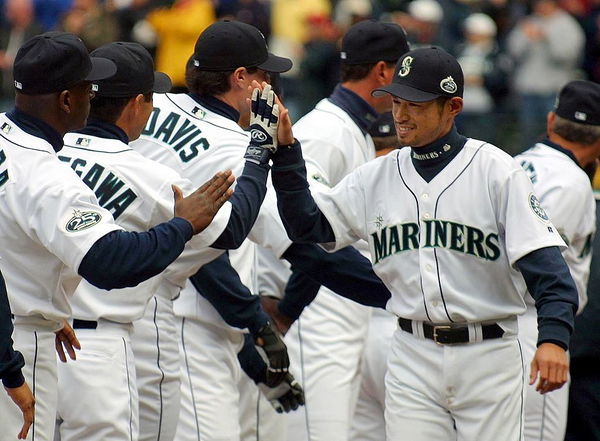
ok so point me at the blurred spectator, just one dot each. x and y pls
(320, 67)
(49, 12)
(289, 32)
(20, 27)
(92, 22)
(455, 12)
(349, 12)
(547, 48)
(591, 27)
(252, 12)
(486, 73)
(422, 24)
(178, 28)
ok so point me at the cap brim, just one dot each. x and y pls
(162, 83)
(405, 92)
(276, 64)
(101, 68)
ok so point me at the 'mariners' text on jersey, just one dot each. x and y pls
(438, 234)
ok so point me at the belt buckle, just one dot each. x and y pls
(435, 334)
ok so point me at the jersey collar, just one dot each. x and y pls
(563, 150)
(431, 159)
(217, 106)
(36, 127)
(359, 110)
(103, 129)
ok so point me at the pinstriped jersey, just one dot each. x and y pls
(566, 195)
(446, 249)
(137, 192)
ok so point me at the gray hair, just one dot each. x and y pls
(585, 134)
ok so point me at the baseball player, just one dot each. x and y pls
(138, 193)
(555, 167)
(11, 364)
(458, 267)
(194, 133)
(326, 345)
(52, 230)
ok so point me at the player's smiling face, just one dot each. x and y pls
(419, 124)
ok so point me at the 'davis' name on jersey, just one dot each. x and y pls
(178, 132)
(112, 193)
(438, 234)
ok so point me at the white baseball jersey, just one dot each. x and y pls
(49, 219)
(423, 235)
(137, 191)
(332, 142)
(197, 142)
(566, 195)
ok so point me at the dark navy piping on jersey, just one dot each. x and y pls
(36, 127)
(217, 106)
(561, 149)
(162, 372)
(240, 131)
(361, 112)
(103, 129)
(435, 216)
(418, 217)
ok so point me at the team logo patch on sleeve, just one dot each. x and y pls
(534, 203)
(82, 220)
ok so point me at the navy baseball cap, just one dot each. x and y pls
(425, 74)
(135, 71)
(579, 101)
(56, 61)
(227, 45)
(370, 41)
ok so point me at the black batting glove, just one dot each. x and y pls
(274, 352)
(286, 397)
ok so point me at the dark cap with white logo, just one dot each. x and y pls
(56, 61)
(370, 41)
(579, 101)
(135, 71)
(227, 45)
(425, 74)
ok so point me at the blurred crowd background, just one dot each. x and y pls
(516, 54)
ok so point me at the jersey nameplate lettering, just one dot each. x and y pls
(178, 132)
(111, 191)
(438, 234)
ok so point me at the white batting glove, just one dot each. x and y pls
(264, 117)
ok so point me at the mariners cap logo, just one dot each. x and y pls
(535, 205)
(405, 67)
(448, 85)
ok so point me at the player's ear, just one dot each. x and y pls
(239, 78)
(382, 73)
(550, 121)
(456, 105)
(64, 101)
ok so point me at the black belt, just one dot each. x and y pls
(84, 324)
(449, 334)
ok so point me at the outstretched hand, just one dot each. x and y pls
(200, 207)
(552, 364)
(285, 136)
